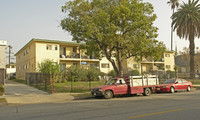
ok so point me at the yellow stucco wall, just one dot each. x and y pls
(105, 61)
(43, 53)
(169, 60)
(25, 61)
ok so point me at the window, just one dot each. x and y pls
(121, 81)
(135, 66)
(26, 51)
(75, 49)
(167, 55)
(168, 66)
(179, 81)
(104, 65)
(75, 63)
(49, 47)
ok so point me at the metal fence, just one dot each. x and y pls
(38, 80)
(61, 84)
(43, 81)
(2, 76)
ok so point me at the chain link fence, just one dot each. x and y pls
(43, 81)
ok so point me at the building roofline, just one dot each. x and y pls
(170, 51)
(47, 41)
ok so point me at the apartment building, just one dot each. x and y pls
(148, 64)
(68, 53)
(3, 46)
(62, 52)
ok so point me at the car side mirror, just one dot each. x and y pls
(176, 82)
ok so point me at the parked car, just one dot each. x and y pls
(173, 85)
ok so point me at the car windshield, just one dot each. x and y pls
(169, 81)
(111, 82)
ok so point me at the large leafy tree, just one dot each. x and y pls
(174, 4)
(186, 21)
(116, 29)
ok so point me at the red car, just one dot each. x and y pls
(173, 85)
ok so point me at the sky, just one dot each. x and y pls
(22, 20)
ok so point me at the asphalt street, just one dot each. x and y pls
(163, 106)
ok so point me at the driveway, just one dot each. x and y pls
(14, 88)
(17, 93)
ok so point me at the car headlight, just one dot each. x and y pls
(100, 90)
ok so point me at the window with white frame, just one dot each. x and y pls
(104, 65)
(167, 55)
(168, 66)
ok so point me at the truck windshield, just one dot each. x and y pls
(111, 82)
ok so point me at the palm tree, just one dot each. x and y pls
(186, 22)
(174, 4)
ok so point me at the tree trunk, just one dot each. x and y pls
(192, 53)
(109, 58)
(119, 62)
(172, 35)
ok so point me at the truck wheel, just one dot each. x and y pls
(188, 88)
(172, 90)
(147, 92)
(108, 94)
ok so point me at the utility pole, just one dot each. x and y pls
(10, 47)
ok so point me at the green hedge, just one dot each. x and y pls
(2, 90)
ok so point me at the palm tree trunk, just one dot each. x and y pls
(192, 53)
(172, 35)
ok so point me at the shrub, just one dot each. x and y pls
(77, 73)
(170, 73)
(134, 73)
(93, 74)
(112, 73)
(2, 90)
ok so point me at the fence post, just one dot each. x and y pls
(72, 80)
(45, 82)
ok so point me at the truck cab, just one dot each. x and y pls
(112, 87)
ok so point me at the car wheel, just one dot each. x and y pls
(172, 90)
(108, 94)
(188, 88)
(147, 92)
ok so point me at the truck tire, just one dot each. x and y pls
(172, 90)
(108, 94)
(147, 92)
(188, 88)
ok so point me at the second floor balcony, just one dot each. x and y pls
(77, 56)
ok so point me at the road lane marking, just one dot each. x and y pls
(157, 113)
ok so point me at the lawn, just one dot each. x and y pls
(76, 86)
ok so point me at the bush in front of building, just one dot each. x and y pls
(134, 73)
(2, 90)
(170, 74)
(76, 73)
(93, 74)
(112, 73)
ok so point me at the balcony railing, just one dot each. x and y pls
(77, 56)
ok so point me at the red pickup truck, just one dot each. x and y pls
(129, 85)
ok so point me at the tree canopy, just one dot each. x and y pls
(186, 22)
(116, 29)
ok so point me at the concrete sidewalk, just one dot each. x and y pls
(17, 93)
